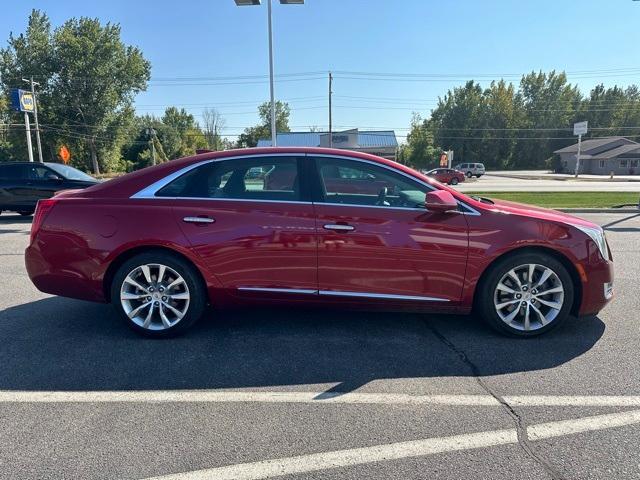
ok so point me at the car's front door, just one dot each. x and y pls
(386, 244)
(253, 233)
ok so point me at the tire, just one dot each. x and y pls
(178, 301)
(468, 174)
(454, 181)
(555, 309)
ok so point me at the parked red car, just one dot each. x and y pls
(449, 176)
(163, 242)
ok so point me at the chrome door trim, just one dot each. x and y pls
(151, 190)
(339, 228)
(383, 296)
(198, 220)
(278, 290)
(339, 293)
(470, 210)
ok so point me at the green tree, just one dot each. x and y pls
(420, 150)
(251, 135)
(88, 78)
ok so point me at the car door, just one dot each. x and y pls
(16, 189)
(255, 232)
(386, 245)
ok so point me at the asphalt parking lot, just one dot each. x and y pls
(261, 393)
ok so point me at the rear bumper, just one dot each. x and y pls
(64, 282)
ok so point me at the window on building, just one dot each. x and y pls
(601, 164)
(623, 163)
(633, 163)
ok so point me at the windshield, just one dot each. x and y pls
(70, 173)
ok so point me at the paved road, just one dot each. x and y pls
(327, 394)
(494, 183)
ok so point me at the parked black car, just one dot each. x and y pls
(22, 184)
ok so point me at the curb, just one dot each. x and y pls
(562, 179)
(599, 210)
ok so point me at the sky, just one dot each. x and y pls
(211, 53)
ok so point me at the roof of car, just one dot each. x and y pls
(130, 183)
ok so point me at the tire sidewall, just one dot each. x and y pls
(197, 302)
(487, 290)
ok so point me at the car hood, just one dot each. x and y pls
(515, 208)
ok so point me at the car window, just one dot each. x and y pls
(264, 178)
(70, 173)
(351, 182)
(38, 172)
(13, 172)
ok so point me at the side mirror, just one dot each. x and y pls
(53, 177)
(440, 201)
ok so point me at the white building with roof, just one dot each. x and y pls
(601, 156)
(381, 142)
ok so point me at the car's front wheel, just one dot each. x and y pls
(158, 294)
(454, 181)
(526, 294)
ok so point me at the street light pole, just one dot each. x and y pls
(248, 3)
(274, 140)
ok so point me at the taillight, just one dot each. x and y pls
(42, 210)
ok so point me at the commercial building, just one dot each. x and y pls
(382, 143)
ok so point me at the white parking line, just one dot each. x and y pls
(196, 396)
(394, 451)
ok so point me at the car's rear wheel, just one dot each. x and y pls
(454, 181)
(526, 294)
(158, 294)
(469, 174)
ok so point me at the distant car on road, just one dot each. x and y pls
(471, 169)
(449, 176)
(326, 227)
(22, 184)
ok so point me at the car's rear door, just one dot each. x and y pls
(385, 245)
(16, 190)
(255, 235)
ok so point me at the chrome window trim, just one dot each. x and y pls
(384, 296)
(151, 190)
(470, 210)
(339, 293)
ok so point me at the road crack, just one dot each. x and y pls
(521, 427)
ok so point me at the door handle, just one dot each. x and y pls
(198, 220)
(339, 228)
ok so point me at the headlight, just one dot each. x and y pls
(597, 235)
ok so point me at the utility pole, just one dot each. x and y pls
(35, 117)
(330, 113)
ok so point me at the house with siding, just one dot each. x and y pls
(601, 156)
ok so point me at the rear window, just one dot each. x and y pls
(265, 178)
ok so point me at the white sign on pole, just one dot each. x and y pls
(580, 128)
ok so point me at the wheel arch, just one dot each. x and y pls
(125, 255)
(566, 262)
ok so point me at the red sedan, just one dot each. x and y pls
(164, 242)
(450, 176)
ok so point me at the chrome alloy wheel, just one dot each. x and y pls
(154, 296)
(529, 297)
